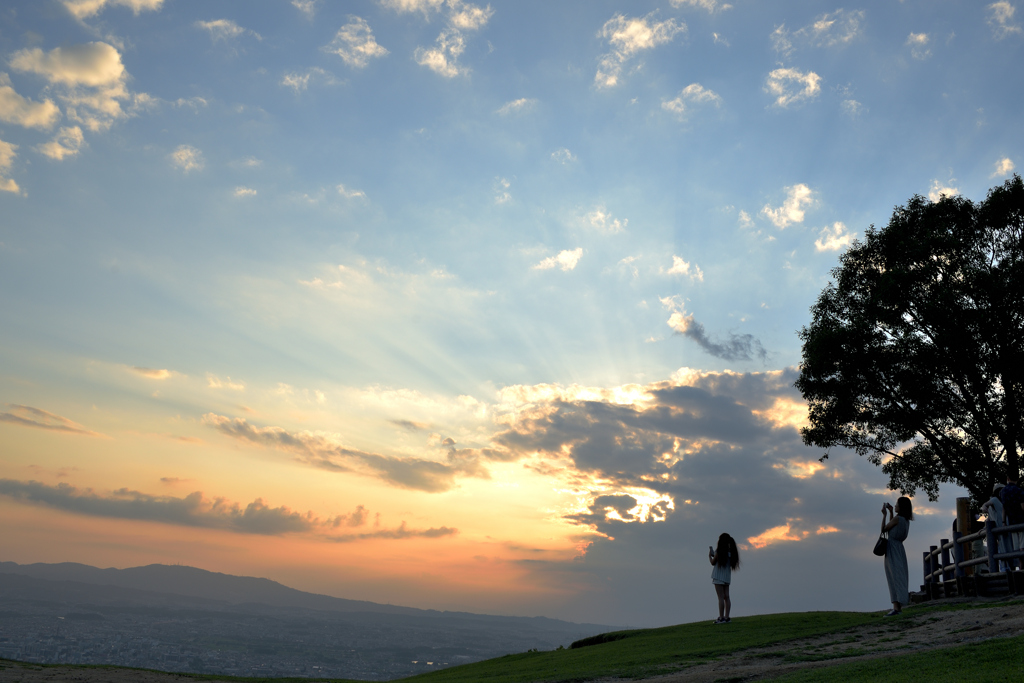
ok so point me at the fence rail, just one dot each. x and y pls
(945, 576)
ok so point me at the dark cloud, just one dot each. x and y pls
(400, 533)
(27, 416)
(319, 451)
(736, 348)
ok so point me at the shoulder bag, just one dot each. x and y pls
(881, 545)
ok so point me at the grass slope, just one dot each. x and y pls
(648, 652)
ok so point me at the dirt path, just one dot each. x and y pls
(902, 635)
(909, 633)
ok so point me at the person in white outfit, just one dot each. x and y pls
(725, 558)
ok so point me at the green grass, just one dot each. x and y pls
(649, 652)
(9, 664)
(993, 661)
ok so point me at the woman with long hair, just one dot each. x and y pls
(897, 574)
(725, 558)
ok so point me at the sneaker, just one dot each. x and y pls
(892, 613)
(719, 620)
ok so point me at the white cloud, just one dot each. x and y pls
(681, 267)
(711, 6)
(443, 57)
(1004, 167)
(566, 260)
(516, 106)
(918, 44)
(7, 155)
(215, 382)
(1000, 18)
(469, 17)
(299, 82)
(563, 156)
(745, 220)
(939, 189)
(832, 29)
(424, 6)
(355, 44)
(792, 86)
(852, 108)
(225, 29)
(22, 111)
(834, 238)
(307, 7)
(349, 193)
(602, 221)
(501, 193)
(187, 158)
(66, 143)
(627, 37)
(798, 197)
(242, 191)
(91, 78)
(82, 9)
(692, 94)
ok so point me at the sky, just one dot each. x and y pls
(481, 307)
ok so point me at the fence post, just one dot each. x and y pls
(963, 521)
(946, 575)
(958, 554)
(927, 579)
(991, 546)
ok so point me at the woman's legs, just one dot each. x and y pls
(723, 597)
(728, 602)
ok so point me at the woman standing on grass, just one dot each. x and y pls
(897, 574)
(725, 558)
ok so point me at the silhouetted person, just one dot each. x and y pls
(725, 558)
(897, 575)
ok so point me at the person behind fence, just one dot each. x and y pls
(725, 558)
(993, 507)
(977, 545)
(897, 574)
(1013, 507)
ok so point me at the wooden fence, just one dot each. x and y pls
(946, 576)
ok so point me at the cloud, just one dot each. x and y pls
(627, 38)
(307, 7)
(1000, 18)
(90, 78)
(711, 6)
(151, 373)
(83, 9)
(197, 511)
(601, 220)
(443, 57)
(519, 106)
(215, 382)
(834, 238)
(27, 416)
(66, 143)
(738, 347)
(225, 30)
(681, 267)
(22, 111)
(692, 94)
(424, 6)
(187, 158)
(563, 156)
(355, 44)
(501, 193)
(566, 260)
(744, 220)
(832, 29)
(798, 197)
(324, 451)
(939, 189)
(852, 108)
(7, 154)
(791, 86)
(300, 81)
(350, 193)
(242, 191)
(778, 534)
(1003, 168)
(918, 44)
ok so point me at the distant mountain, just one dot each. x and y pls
(200, 583)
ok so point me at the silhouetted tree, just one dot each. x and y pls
(915, 354)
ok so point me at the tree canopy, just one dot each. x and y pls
(914, 355)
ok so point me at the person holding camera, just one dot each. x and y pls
(725, 558)
(897, 574)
